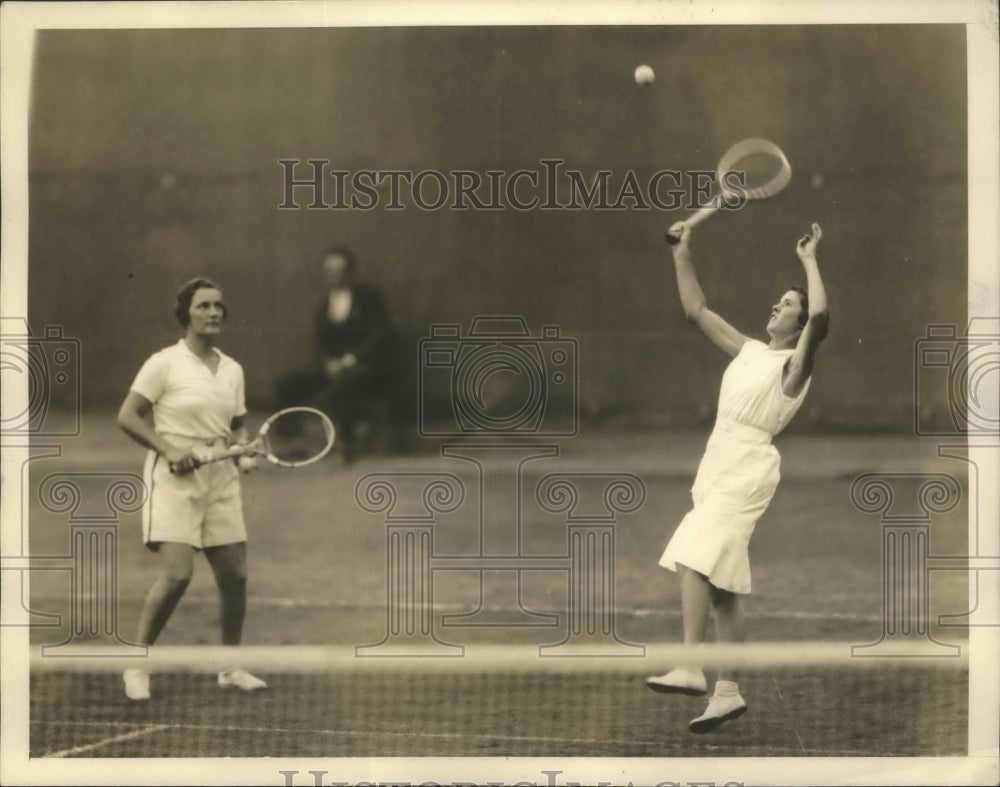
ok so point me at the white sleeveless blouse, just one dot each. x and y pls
(739, 472)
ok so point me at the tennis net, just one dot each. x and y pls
(805, 699)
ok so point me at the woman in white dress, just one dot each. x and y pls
(762, 389)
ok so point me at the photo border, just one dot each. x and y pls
(19, 20)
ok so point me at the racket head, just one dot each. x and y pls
(296, 436)
(770, 173)
(772, 178)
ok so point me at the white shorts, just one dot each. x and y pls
(202, 508)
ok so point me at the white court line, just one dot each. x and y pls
(638, 612)
(772, 750)
(113, 739)
(781, 697)
(291, 731)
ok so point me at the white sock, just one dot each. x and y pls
(726, 688)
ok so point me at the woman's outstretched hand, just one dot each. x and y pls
(678, 234)
(806, 247)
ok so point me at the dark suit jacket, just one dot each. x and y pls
(367, 332)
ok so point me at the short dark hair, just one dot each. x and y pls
(182, 309)
(804, 297)
(345, 253)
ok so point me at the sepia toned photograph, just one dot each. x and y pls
(450, 394)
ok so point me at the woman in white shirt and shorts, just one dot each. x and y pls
(761, 390)
(185, 400)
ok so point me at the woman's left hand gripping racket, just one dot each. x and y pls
(293, 437)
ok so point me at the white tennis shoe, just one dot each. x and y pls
(719, 710)
(240, 679)
(136, 684)
(680, 680)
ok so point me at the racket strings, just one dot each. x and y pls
(298, 437)
(755, 171)
(759, 166)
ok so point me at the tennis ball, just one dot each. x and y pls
(247, 463)
(644, 75)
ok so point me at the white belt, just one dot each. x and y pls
(186, 441)
(742, 431)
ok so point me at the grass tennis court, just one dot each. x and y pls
(793, 713)
(318, 576)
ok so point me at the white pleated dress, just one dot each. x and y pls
(739, 471)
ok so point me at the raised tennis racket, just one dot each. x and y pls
(293, 437)
(765, 172)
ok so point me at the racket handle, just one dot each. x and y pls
(215, 456)
(693, 220)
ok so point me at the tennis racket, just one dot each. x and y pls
(293, 437)
(766, 172)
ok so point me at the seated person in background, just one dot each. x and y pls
(355, 351)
